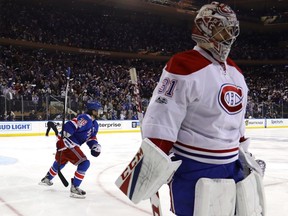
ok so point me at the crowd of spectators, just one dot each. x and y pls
(103, 28)
(268, 91)
(38, 76)
(35, 75)
(107, 28)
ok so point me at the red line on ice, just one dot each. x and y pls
(10, 207)
(115, 197)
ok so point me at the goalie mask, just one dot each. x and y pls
(216, 28)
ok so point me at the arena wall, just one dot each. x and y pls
(38, 128)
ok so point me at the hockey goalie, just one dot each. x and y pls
(197, 114)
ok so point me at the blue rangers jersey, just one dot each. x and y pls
(82, 129)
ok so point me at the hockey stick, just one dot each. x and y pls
(61, 176)
(155, 199)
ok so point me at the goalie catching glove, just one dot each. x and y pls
(147, 172)
(248, 160)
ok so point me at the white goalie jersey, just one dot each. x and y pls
(199, 105)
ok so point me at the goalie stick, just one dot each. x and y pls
(155, 199)
(61, 176)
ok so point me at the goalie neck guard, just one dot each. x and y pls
(212, 20)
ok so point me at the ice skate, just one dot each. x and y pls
(76, 192)
(46, 181)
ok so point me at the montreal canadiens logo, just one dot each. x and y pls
(224, 9)
(231, 98)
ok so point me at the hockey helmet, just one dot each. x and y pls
(212, 20)
(93, 105)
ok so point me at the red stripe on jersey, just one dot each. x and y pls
(242, 139)
(75, 122)
(164, 145)
(233, 64)
(93, 138)
(208, 150)
(185, 63)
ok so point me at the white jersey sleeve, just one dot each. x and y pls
(173, 107)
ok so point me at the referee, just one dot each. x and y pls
(53, 125)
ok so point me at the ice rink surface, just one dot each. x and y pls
(25, 160)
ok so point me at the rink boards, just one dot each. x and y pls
(36, 128)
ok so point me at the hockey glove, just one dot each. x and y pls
(96, 150)
(248, 160)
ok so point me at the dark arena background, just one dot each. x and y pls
(100, 41)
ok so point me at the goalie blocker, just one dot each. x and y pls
(147, 172)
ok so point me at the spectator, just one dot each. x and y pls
(33, 116)
(10, 116)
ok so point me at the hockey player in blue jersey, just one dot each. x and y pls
(77, 131)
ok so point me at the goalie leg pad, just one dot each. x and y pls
(146, 173)
(215, 197)
(250, 196)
